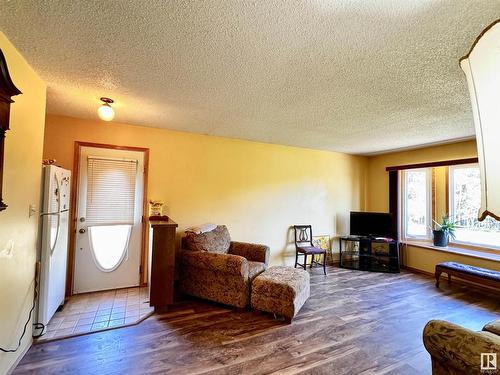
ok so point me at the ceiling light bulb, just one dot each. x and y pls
(105, 111)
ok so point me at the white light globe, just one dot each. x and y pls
(105, 112)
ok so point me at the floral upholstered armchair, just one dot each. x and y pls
(456, 350)
(218, 269)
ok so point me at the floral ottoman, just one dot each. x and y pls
(281, 291)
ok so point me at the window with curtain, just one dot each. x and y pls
(111, 191)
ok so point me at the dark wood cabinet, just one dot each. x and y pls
(369, 254)
(7, 91)
(161, 267)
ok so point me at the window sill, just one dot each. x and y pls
(455, 250)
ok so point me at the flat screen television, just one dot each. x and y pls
(375, 224)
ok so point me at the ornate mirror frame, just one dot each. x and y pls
(7, 91)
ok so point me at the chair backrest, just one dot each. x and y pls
(215, 241)
(303, 235)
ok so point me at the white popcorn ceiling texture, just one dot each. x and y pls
(354, 76)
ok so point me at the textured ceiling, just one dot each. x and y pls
(356, 76)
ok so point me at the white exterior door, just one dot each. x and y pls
(109, 219)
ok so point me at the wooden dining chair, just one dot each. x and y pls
(304, 246)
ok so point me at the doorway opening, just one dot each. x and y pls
(109, 234)
(106, 287)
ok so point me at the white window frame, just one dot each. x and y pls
(451, 205)
(403, 205)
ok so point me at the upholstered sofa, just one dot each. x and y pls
(456, 350)
(215, 268)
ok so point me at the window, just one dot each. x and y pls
(111, 196)
(429, 193)
(465, 202)
(111, 187)
(416, 205)
(109, 245)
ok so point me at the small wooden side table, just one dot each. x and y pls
(161, 265)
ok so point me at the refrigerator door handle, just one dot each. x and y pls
(55, 213)
(58, 214)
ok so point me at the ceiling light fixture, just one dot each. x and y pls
(105, 111)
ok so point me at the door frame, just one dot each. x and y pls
(74, 209)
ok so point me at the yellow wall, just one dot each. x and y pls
(440, 182)
(258, 190)
(22, 174)
(378, 197)
(426, 259)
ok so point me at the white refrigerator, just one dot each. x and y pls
(54, 241)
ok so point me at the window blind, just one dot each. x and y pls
(110, 191)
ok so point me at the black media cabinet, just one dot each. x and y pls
(369, 254)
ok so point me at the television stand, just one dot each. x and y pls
(369, 254)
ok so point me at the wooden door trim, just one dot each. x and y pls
(433, 164)
(74, 209)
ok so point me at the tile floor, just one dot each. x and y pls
(99, 310)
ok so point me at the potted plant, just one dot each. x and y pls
(443, 231)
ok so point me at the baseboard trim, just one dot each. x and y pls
(19, 358)
(416, 270)
(454, 279)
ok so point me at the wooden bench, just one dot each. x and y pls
(466, 272)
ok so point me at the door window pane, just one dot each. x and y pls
(111, 190)
(109, 245)
(465, 202)
(416, 202)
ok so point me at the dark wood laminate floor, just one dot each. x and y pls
(354, 323)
